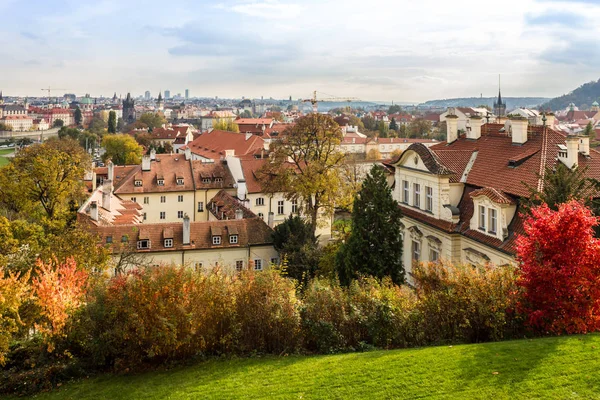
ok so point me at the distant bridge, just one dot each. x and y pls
(34, 135)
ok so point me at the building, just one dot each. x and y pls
(215, 145)
(187, 94)
(462, 198)
(464, 114)
(167, 94)
(499, 105)
(129, 109)
(147, 95)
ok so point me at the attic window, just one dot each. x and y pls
(160, 182)
(180, 181)
(233, 239)
(109, 239)
(205, 180)
(168, 242)
(138, 183)
(218, 179)
(216, 240)
(143, 244)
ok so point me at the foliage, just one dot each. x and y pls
(122, 149)
(560, 269)
(97, 125)
(226, 124)
(589, 131)
(393, 124)
(369, 123)
(152, 120)
(58, 123)
(78, 116)
(394, 109)
(313, 176)
(296, 243)
(419, 128)
(374, 154)
(120, 124)
(14, 291)
(375, 245)
(246, 114)
(5, 127)
(383, 129)
(355, 121)
(466, 303)
(395, 155)
(144, 139)
(112, 122)
(584, 94)
(44, 179)
(59, 291)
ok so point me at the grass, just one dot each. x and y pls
(3, 161)
(549, 368)
(3, 152)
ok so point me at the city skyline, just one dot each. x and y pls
(282, 48)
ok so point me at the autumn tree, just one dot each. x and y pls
(589, 131)
(246, 114)
(373, 154)
(226, 124)
(369, 123)
(306, 165)
(375, 245)
(58, 123)
(97, 125)
(152, 120)
(5, 127)
(78, 116)
(14, 291)
(560, 269)
(112, 122)
(122, 149)
(394, 109)
(355, 121)
(44, 179)
(419, 128)
(120, 124)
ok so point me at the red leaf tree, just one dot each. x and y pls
(560, 269)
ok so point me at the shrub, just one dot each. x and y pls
(14, 290)
(465, 303)
(560, 269)
(267, 312)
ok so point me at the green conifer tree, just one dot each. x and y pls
(374, 246)
(112, 122)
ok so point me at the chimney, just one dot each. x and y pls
(572, 151)
(106, 189)
(519, 129)
(239, 214)
(451, 128)
(152, 154)
(248, 135)
(188, 153)
(474, 129)
(241, 189)
(550, 119)
(111, 171)
(584, 145)
(94, 210)
(146, 163)
(271, 219)
(186, 229)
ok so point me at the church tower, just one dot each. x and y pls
(129, 109)
(160, 103)
(499, 106)
(1, 98)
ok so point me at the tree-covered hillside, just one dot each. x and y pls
(511, 102)
(583, 97)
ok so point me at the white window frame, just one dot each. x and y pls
(163, 199)
(180, 198)
(160, 182)
(258, 264)
(417, 195)
(162, 215)
(143, 244)
(137, 183)
(180, 181)
(168, 243)
(415, 250)
(405, 192)
(434, 255)
(146, 200)
(179, 214)
(216, 240)
(280, 207)
(239, 265)
(429, 198)
(134, 199)
(233, 239)
(481, 222)
(294, 206)
(492, 220)
(200, 206)
(260, 201)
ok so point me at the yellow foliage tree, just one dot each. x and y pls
(122, 149)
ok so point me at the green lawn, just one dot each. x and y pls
(550, 368)
(3, 161)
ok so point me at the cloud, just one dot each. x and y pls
(574, 52)
(268, 9)
(554, 17)
(30, 35)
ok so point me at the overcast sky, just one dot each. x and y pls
(402, 50)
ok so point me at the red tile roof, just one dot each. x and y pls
(168, 167)
(493, 194)
(213, 144)
(224, 206)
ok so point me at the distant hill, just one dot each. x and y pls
(583, 97)
(511, 102)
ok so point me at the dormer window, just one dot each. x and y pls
(216, 240)
(492, 223)
(482, 218)
(218, 180)
(180, 181)
(143, 244)
(233, 239)
(160, 182)
(168, 243)
(205, 180)
(138, 182)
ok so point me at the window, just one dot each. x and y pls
(163, 215)
(180, 198)
(137, 183)
(168, 242)
(261, 215)
(405, 192)
(144, 215)
(280, 207)
(416, 250)
(200, 206)
(179, 214)
(258, 264)
(216, 240)
(260, 201)
(205, 180)
(275, 261)
(124, 239)
(434, 255)
(294, 206)
(109, 239)
(233, 239)
(198, 266)
(417, 198)
(239, 265)
(160, 182)
(133, 199)
(180, 181)
(163, 199)
(143, 244)
(146, 200)
(429, 198)
(218, 180)
(482, 218)
(492, 220)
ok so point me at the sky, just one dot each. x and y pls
(402, 50)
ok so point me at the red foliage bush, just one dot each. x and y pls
(560, 269)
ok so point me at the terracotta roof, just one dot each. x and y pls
(430, 159)
(455, 160)
(213, 144)
(250, 168)
(493, 194)
(212, 175)
(224, 206)
(253, 121)
(251, 232)
(167, 167)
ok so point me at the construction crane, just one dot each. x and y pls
(49, 89)
(314, 101)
